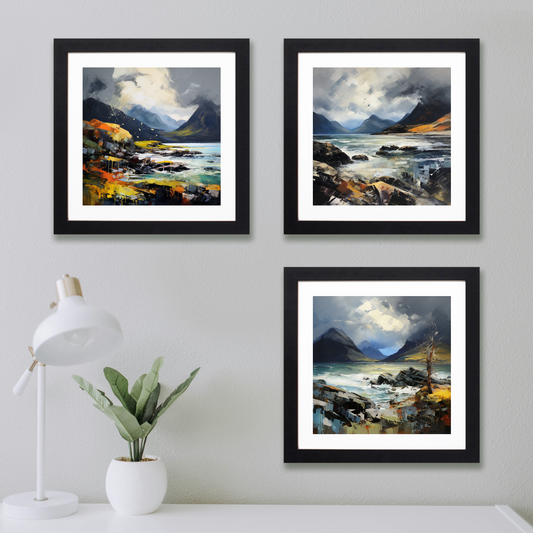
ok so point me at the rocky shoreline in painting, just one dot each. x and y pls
(396, 379)
(338, 181)
(382, 136)
(119, 171)
(337, 411)
(151, 136)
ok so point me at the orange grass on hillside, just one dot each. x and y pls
(442, 124)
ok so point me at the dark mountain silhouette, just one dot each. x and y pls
(442, 124)
(428, 110)
(322, 125)
(373, 124)
(369, 349)
(396, 128)
(403, 118)
(340, 127)
(441, 319)
(417, 353)
(406, 348)
(334, 346)
(93, 108)
(203, 126)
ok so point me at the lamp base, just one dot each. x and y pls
(24, 507)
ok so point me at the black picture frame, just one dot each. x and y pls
(238, 221)
(293, 350)
(467, 222)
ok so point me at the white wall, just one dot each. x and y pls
(217, 302)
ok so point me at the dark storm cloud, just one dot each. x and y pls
(386, 322)
(191, 83)
(324, 104)
(96, 86)
(389, 93)
(423, 84)
(166, 91)
(101, 78)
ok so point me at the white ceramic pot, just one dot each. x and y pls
(136, 488)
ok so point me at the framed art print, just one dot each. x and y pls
(382, 136)
(151, 136)
(381, 365)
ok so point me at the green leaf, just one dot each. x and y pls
(92, 391)
(103, 394)
(124, 434)
(137, 388)
(174, 396)
(147, 428)
(119, 385)
(126, 423)
(151, 404)
(148, 386)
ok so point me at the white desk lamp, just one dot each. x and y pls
(76, 333)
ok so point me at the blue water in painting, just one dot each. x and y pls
(351, 377)
(204, 168)
(432, 150)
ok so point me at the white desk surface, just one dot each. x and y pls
(100, 518)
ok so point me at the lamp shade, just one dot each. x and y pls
(76, 333)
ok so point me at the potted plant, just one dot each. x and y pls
(135, 484)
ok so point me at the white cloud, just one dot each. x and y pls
(345, 94)
(152, 89)
(381, 315)
(386, 322)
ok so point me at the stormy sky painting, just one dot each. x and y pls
(384, 134)
(350, 95)
(151, 136)
(175, 92)
(385, 322)
(382, 365)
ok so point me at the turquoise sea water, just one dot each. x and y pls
(204, 168)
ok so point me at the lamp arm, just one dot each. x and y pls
(18, 389)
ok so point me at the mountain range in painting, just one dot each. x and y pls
(382, 365)
(151, 136)
(369, 100)
(381, 329)
(335, 346)
(202, 126)
(153, 120)
(168, 104)
(384, 135)
(373, 124)
(371, 351)
(425, 117)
